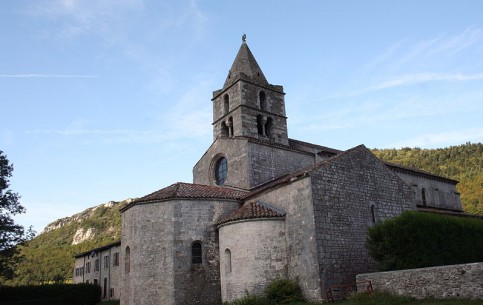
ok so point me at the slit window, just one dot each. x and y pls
(196, 253)
(127, 260)
(227, 261)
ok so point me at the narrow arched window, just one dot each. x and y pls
(127, 260)
(269, 128)
(260, 125)
(196, 253)
(227, 261)
(373, 213)
(423, 195)
(262, 98)
(226, 104)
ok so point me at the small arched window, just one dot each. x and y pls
(227, 261)
(423, 195)
(196, 253)
(226, 104)
(221, 170)
(262, 98)
(127, 260)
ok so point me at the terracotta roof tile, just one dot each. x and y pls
(183, 190)
(253, 210)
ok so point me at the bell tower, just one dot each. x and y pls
(247, 105)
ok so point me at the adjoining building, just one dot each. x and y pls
(264, 206)
(100, 266)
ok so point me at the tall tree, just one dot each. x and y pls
(11, 234)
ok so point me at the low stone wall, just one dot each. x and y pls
(455, 281)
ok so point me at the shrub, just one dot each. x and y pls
(284, 291)
(416, 240)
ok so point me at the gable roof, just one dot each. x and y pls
(300, 173)
(253, 210)
(181, 190)
(245, 66)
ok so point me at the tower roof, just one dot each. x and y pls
(245, 67)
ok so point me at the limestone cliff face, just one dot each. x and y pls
(93, 223)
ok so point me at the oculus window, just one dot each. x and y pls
(221, 169)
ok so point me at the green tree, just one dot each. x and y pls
(11, 234)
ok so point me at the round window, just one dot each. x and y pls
(221, 169)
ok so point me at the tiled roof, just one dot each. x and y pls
(253, 210)
(99, 249)
(418, 171)
(183, 190)
(297, 144)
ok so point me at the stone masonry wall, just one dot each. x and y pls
(455, 281)
(235, 151)
(252, 254)
(148, 232)
(270, 162)
(194, 221)
(160, 236)
(438, 194)
(347, 192)
(296, 200)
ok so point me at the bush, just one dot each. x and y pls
(284, 291)
(280, 291)
(416, 240)
(78, 294)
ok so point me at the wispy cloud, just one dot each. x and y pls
(442, 139)
(407, 80)
(47, 76)
(379, 111)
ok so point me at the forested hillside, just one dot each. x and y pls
(463, 163)
(49, 256)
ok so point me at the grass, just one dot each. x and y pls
(356, 299)
(365, 299)
(385, 298)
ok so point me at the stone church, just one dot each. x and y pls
(264, 206)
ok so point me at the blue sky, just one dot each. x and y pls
(108, 100)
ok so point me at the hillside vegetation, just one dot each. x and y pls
(463, 163)
(49, 256)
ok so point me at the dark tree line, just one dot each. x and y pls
(11, 234)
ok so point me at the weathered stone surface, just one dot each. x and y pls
(455, 281)
(160, 236)
(351, 193)
(252, 254)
